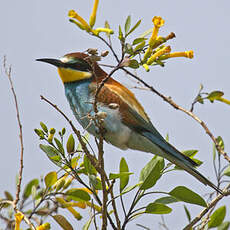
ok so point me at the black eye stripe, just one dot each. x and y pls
(78, 65)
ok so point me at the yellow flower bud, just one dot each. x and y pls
(73, 14)
(96, 207)
(99, 30)
(44, 226)
(160, 52)
(146, 67)
(93, 15)
(75, 213)
(18, 219)
(147, 54)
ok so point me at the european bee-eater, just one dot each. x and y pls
(126, 124)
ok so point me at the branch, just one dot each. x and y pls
(210, 205)
(8, 74)
(191, 114)
(86, 151)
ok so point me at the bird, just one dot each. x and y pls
(126, 124)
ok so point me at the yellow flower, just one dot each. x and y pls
(73, 14)
(44, 226)
(18, 219)
(78, 24)
(146, 67)
(92, 18)
(147, 54)
(158, 22)
(76, 214)
(99, 30)
(96, 207)
(160, 52)
(187, 54)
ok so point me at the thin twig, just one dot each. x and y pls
(205, 210)
(8, 74)
(85, 149)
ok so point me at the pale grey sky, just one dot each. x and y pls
(40, 28)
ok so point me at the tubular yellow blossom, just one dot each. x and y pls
(73, 14)
(160, 52)
(18, 219)
(44, 226)
(158, 22)
(99, 30)
(77, 24)
(79, 205)
(76, 214)
(146, 67)
(147, 54)
(96, 207)
(223, 100)
(92, 18)
(187, 54)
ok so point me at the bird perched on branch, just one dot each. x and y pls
(125, 122)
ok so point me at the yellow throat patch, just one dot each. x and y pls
(70, 75)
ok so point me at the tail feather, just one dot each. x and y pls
(179, 159)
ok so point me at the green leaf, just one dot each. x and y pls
(63, 131)
(187, 213)
(138, 40)
(200, 99)
(130, 188)
(113, 176)
(215, 95)
(123, 168)
(184, 194)
(134, 64)
(134, 27)
(52, 153)
(63, 222)
(166, 200)
(70, 145)
(95, 182)
(146, 33)
(8, 195)
(224, 226)
(28, 188)
(50, 179)
(151, 172)
(78, 194)
(227, 171)
(120, 36)
(127, 24)
(198, 162)
(44, 127)
(190, 153)
(217, 217)
(85, 139)
(220, 142)
(214, 152)
(157, 208)
(59, 145)
(128, 48)
(90, 169)
(108, 27)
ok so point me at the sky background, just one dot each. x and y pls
(37, 29)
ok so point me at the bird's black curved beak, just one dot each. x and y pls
(51, 61)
